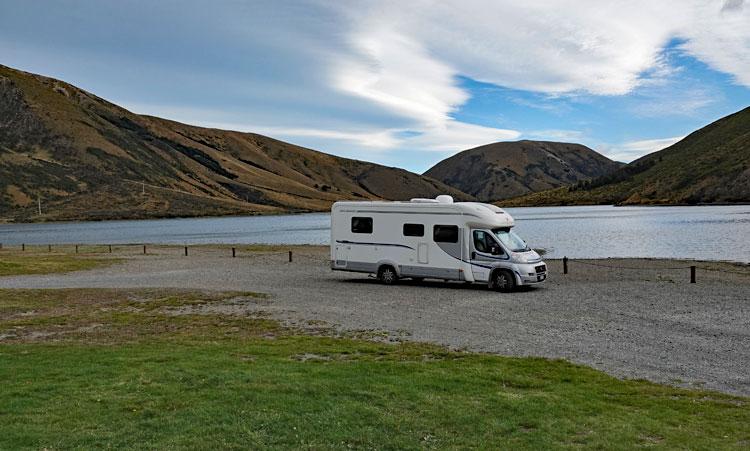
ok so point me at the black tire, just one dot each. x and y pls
(503, 280)
(387, 275)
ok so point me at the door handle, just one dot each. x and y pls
(473, 255)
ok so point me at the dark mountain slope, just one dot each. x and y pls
(711, 165)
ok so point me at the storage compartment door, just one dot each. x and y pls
(422, 253)
(342, 255)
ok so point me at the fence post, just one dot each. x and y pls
(144, 249)
(290, 256)
(76, 248)
(110, 248)
(23, 247)
(692, 274)
(565, 265)
(186, 251)
(234, 252)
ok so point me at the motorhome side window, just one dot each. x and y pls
(413, 229)
(445, 234)
(361, 225)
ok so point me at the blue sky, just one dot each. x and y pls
(402, 83)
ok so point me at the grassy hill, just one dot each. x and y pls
(711, 165)
(507, 169)
(86, 158)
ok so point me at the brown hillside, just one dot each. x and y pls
(87, 158)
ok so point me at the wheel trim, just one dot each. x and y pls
(501, 281)
(388, 276)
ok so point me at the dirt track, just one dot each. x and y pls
(642, 323)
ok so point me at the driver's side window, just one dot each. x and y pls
(483, 242)
(480, 241)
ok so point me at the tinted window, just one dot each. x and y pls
(445, 234)
(361, 225)
(413, 229)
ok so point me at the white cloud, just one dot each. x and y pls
(632, 150)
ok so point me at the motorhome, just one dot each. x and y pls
(432, 239)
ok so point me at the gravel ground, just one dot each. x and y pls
(646, 322)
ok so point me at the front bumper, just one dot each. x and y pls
(531, 273)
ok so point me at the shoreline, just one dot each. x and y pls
(10, 221)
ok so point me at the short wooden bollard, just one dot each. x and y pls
(234, 252)
(565, 265)
(23, 247)
(49, 248)
(692, 274)
(290, 256)
(110, 248)
(76, 248)
(186, 251)
(144, 249)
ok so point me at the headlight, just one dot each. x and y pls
(519, 258)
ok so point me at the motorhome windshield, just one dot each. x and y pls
(510, 240)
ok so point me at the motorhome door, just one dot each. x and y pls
(484, 252)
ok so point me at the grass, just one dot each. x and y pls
(121, 369)
(16, 263)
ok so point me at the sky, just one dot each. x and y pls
(402, 83)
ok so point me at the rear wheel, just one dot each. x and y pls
(504, 281)
(387, 275)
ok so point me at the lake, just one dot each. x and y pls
(696, 232)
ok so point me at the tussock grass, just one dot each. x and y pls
(17, 263)
(120, 369)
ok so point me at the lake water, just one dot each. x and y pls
(705, 233)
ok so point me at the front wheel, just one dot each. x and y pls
(504, 281)
(387, 275)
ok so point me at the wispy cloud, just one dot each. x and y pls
(632, 150)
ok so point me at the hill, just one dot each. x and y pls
(711, 165)
(86, 158)
(508, 169)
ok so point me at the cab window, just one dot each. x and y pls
(483, 242)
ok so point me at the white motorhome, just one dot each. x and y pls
(432, 239)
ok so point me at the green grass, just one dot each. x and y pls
(12, 264)
(113, 369)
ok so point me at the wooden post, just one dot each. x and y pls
(110, 248)
(144, 249)
(1, 246)
(186, 251)
(565, 265)
(49, 248)
(23, 247)
(290, 256)
(692, 274)
(234, 252)
(76, 248)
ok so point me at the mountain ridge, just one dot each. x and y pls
(507, 169)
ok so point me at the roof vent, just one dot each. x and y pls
(444, 199)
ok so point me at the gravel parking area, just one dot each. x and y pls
(645, 321)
